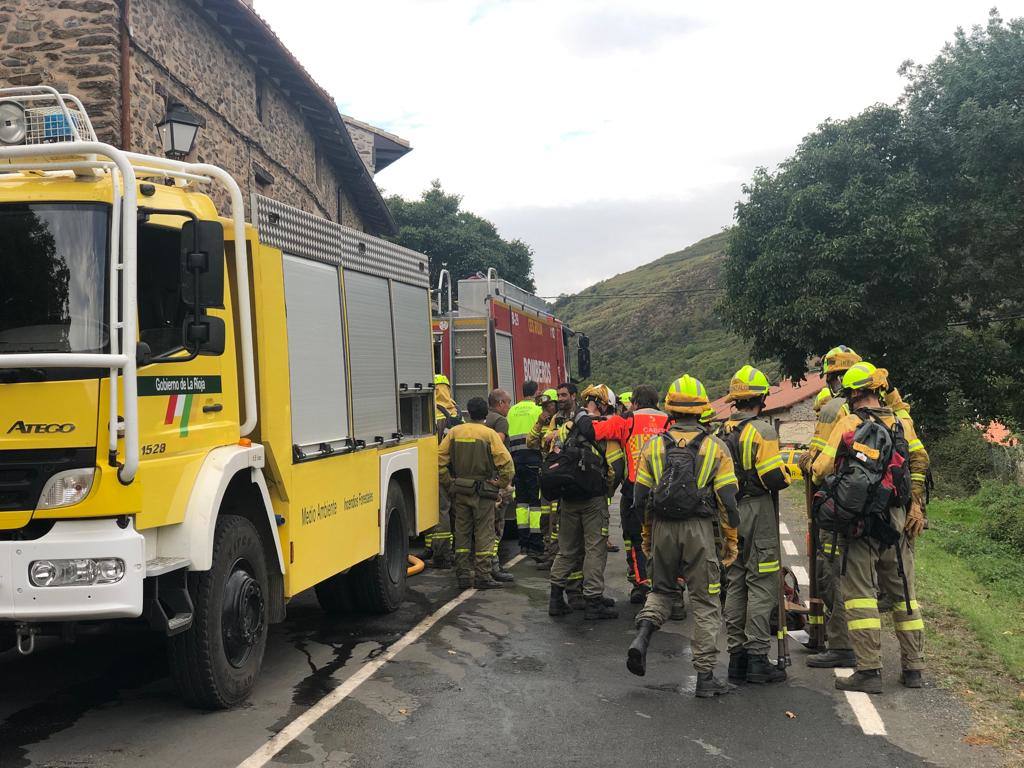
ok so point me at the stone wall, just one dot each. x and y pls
(796, 425)
(70, 44)
(176, 52)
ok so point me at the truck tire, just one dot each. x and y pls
(335, 595)
(378, 584)
(216, 661)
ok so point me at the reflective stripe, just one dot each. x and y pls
(812, 619)
(710, 449)
(604, 531)
(902, 607)
(714, 588)
(864, 624)
(910, 626)
(829, 451)
(747, 438)
(535, 516)
(460, 550)
(774, 461)
(781, 634)
(769, 567)
(724, 480)
(554, 535)
(861, 602)
(817, 443)
(485, 553)
(465, 440)
(916, 445)
(522, 516)
(575, 575)
(918, 477)
(828, 548)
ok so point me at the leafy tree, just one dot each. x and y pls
(898, 232)
(466, 243)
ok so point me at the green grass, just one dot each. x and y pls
(972, 593)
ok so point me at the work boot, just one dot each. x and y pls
(576, 600)
(612, 547)
(499, 574)
(678, 612)
(863, 680)
(488, 583)
(638, 594)
(636, 656)
(738, 661)
(598, 608)
(556, 602)
(544, 565)
(911, 678)
(465, 582)
(760, 670)
(832, 658)
(441, 562)
(708, 686)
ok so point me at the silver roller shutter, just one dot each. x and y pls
(316, 352)
(412, 332)
(372, 356)
(503, 353)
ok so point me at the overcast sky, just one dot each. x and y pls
(606, 134)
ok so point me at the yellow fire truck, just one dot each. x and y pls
(199, 418)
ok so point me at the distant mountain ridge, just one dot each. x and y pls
(640, 337)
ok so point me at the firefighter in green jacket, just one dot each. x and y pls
(474, 465)
(521, 418)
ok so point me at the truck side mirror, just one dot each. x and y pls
(204, 334)
(583, 363)
(202, 264)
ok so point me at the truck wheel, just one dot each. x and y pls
(378, 584)
(216, 661)
(335, 594)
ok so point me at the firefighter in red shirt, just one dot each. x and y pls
(643, 421)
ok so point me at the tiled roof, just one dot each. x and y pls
(781, 397)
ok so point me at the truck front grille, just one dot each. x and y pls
(23, 473)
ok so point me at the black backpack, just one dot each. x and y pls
(450, 420)
(676, 495)
(871, 476)
(578, 472)
(749, 482)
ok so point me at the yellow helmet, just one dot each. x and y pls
(708, 415)
(686, 395)
(747, 382)
(549, 396)
(440, 378)
(822, 397)
(839, 359)
(600, 392)
(626, 398)
(864, 375)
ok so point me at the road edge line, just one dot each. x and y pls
(867, 716)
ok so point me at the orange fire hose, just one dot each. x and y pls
(415, 566)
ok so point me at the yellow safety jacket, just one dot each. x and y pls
(761, 466)
(459, 456)
(830, 413)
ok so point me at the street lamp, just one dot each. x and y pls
(177, 130)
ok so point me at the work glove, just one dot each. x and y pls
(730, 546)
(915, 520)
(806, 460)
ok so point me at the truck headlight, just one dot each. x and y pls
(12, 123)
(79, 572)
(66, 488)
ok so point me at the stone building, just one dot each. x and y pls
(265, 120)
(789, 407)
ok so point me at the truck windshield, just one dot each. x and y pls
(53, 263)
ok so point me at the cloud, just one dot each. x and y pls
(615, 31)
(576, 246)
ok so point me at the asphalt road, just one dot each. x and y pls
(493, 682)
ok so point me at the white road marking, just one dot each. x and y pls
(868, 717)
(801, 574)
(789, 547)
(784, 529)
(303, 722)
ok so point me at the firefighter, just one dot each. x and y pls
(499, 402)
(521, 418)
(600, 402)
(544, 524)
(583, 532)
(632, 432)
(625, 401)
(752, 582)
(446, 415)
(870, 568)
(473, 465)
(834, 365)
(687, 545)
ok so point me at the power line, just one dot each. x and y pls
(984, 321)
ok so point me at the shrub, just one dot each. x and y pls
(1002, 506)
(961, 460)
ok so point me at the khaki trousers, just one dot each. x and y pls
(687, 547)
(474, 534)
(752, 590)
(582, 536)
(870, 570)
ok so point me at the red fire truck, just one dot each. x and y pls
(501, 336)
